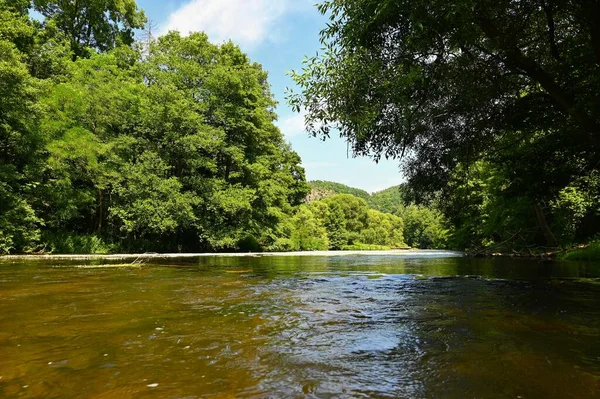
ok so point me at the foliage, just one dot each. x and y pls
(308, 233)
(347, 221)
(589, 253)
(173, 151)
(492, 107)
(424, 227)
(105, 148)
(322, 189)
(386, 219)
(383, 229)
(95, 24)
(68, 243)
(388, 200)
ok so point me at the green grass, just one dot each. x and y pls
(590, 253)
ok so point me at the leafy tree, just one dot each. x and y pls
(308, 233)
(383, 229)
(354, 210)
(212, 112)
(150, 203)
(397, 79)
(20, 141)
(397, 75)
(424, 228)
(96, 24)
(335, 224)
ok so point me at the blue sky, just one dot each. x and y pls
(277, 34)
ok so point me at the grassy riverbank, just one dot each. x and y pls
(589, 252)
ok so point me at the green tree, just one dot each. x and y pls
(335, 224)
(424, 228)
(93, 24)
(383, 229)
(396, 80)
(354, 210)
(20, 140)
(149, 202)
(308, 233)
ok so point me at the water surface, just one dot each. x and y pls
(315, 327)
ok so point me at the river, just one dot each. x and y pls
(418, 325)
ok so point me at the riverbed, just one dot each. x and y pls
(370, 325)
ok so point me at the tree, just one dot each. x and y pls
(335, 224)
(441, 84)
(20, 140)
(308, 233)
(425, 228)
(383, 229)
(96, 24)
(354, 210)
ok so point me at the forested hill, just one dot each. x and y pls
(382, 214)
(387, 200)
(322, 189)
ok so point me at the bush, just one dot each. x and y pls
(249, 244)
(590, 253)
(70, 244)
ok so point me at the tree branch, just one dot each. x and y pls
(548, 10)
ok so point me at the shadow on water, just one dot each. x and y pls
(322, 327)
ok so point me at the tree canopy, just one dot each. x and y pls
(173, 150)
(444, 85)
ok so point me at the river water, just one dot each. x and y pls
(423, 325)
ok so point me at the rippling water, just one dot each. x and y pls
(315, 327)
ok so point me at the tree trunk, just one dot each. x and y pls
(541, 217)
(100, 212)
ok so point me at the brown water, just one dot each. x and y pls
(287, 327)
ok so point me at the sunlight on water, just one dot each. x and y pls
(358, 326)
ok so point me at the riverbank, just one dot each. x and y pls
(588, 252)
(147, 256)
(585, 252)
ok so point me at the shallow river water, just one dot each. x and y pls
(362, 326)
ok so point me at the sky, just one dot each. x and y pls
(277, 34)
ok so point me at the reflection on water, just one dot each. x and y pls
(361, 326)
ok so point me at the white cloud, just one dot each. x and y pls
(292, 125)
(246, 22)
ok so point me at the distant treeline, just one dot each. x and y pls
(380, 218)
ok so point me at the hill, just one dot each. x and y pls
(322, 189)
(386, 201)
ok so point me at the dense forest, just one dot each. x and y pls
(167, 145)
(109, 144)
(493, 108)
(422, 226)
